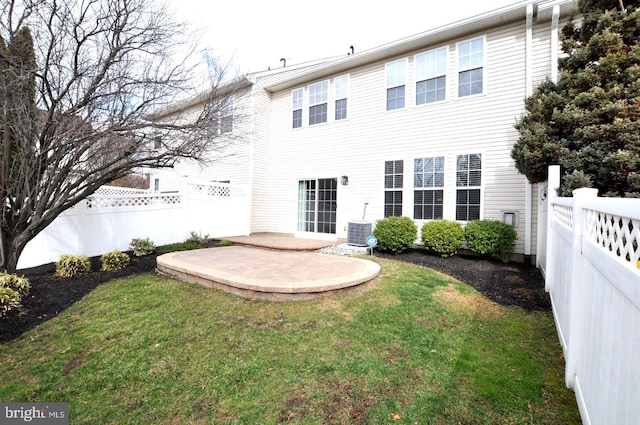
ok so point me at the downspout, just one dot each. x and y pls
(555, 17)
(528, 189)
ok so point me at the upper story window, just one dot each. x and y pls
(431, 79)
(296, 97)
(226, 115)
(468, 186)
(396, 76)
(471, 67)
(341, 84)
(318, 95)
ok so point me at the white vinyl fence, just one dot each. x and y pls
(110, 218)
(593, 279)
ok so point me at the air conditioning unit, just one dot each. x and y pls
(357, 232)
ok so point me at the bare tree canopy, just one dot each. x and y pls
(79, 81)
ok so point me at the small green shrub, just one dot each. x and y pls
(114, 260)
(225, 242)
(490, 237)
(20, 284)
(395, 234)
(9, 300)
(196, 239)
(71, 265)
(443, 237)
(142, 247)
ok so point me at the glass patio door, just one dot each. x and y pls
(317, 204)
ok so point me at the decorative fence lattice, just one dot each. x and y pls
(564, 215)
(620, 236)
(217, 190)
(132, 201)
(114, 190)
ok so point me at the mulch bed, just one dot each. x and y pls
(511, 284)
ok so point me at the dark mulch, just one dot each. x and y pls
(511, 284)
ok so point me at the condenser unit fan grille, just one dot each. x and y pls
(357, 232)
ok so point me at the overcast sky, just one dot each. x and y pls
(255, 34)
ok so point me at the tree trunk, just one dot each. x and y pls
(11, 250)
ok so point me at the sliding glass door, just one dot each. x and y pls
(317, 204)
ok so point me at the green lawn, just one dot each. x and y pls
(411, 347)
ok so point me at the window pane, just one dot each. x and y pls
(318, 114)
(474, 178)
(297, 118)
(341, 86)
(417, 180)
(462, 178)
(396, 73)
(470, 82)
(341, 109)
(296, 96)
(395, 98)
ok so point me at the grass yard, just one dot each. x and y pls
(412, 347)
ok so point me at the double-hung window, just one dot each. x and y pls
(341, 84)
(471, 55)
(318, 95)
(431, 80)
(468, 186)
(428, 182)
(393, 181)
(226, 115)
(396, 76)
(296, 97)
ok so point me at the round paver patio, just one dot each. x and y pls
(268, 274)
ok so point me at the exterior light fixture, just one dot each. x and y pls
(344, 180)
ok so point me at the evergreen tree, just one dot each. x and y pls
(589, 121)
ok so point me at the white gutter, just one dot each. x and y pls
(528, 188)
(554, 43)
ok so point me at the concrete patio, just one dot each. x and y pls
(270, 267)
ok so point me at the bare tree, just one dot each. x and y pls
(82, 87)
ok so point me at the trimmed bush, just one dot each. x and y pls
(443, 237)
(142, 247)
(395, 234)
(197, 240)
(12, 289)
(71, 265)
(9, 300)
(490, 237)
(114, 260)
(20, 284)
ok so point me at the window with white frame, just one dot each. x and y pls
(468, 186)
(393, 182)
(471, 55)
(428, 182)
(395, 78)
(341, 84)
(226, 115)
(296, 98)
(318, 95)
(431, 79)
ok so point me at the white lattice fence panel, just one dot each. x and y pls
(132, 201)
(217, 190)
(620, 236)
(114, 190)
(563, 214)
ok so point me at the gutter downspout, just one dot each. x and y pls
(531, 11)
(554, 43)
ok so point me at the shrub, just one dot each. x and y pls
(226, 242)
(71, 265)
(9, 300)
(197, 239)
(114, 260)
(490, 237)
(142, 247)
(442, 236)
(395, 234)
(20, 284)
